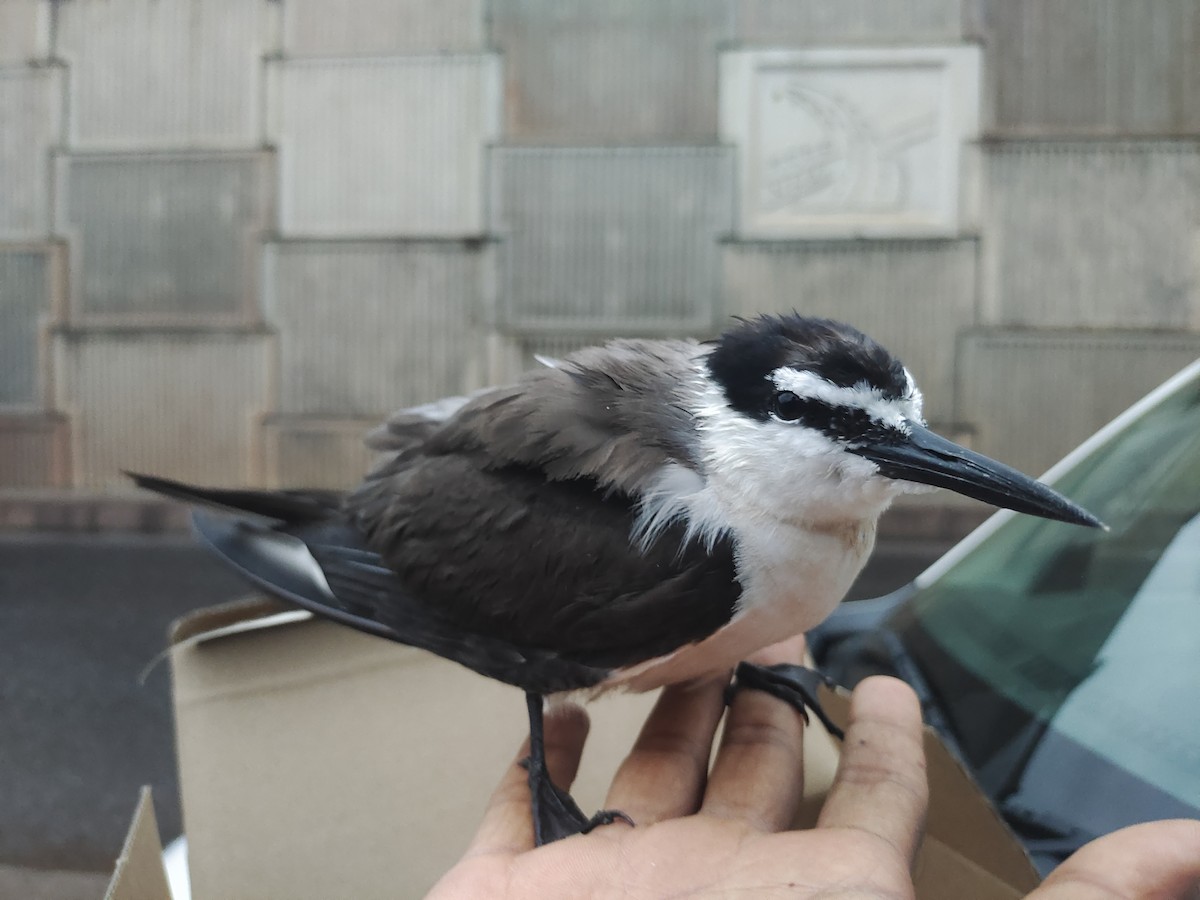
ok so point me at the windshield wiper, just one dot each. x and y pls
(1042, 832)
(881, 651)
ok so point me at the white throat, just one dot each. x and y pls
(801, 510)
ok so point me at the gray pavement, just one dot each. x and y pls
(19, 883)
(80, 617)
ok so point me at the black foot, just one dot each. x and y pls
(555, 814)
(795, 685)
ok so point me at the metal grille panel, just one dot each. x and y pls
(317, 453)
(320, 28)
(166, 237)
(30, 112)
(613, 239)
(164, 72)
(33, 451)
(368, 327)
(24, 30)
(385, 147)
(24, 299)
(1098, 234)
(618, 71)
(176, 404)
(809, 22)
(1105, 66)
(1034, 397)
(914, 297)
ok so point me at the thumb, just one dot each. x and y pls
(1152, 861)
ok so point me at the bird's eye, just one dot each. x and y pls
(788, 406)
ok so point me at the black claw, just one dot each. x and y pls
(795, 685)
(606, 817)
(556, 815)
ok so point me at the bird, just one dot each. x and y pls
(637, 514)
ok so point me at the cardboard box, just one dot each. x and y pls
(316, 762)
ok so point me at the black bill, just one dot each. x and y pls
(927, 458)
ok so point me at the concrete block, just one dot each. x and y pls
(165, 238)
(181, 404)
(313, 452)
(1092, 67)
(610, 239)
(30, 125)
(850, 142)
(777, 23)
(623, 71)
(369, 326)
(361, 27)
(164, 73)
(1097, 234)
(27, 279)
(33, 450)
(1033, 397)
(389, 146)
(24, 30)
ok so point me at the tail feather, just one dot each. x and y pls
(281, 506)
(308, 554)
(334, 582)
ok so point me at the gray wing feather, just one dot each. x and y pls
(514, 516)
(616, 414)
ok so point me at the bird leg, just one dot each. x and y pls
(555, 814)
(795, 685)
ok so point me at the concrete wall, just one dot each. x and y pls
(233, 233)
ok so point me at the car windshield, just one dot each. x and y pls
(1048, 636)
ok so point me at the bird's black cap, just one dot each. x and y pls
(747, 353)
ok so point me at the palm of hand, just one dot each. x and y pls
(719, 832)
(722, 832)
(724, 858)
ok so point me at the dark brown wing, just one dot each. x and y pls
(507, 553)
(501, 536)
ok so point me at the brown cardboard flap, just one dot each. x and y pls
(941, 873)
(317, 762)
(139, 873)
(966, 822)
(964, 833)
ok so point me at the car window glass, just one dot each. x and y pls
(1142, 685)
(1041, 607)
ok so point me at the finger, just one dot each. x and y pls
(1157, 859)
(663, 776)
(507, 825)
(880, 786)
(758, 775)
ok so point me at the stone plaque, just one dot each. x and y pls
(850, 142)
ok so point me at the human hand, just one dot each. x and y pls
(722, 833)
(718, 833)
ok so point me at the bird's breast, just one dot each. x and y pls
(793, 575)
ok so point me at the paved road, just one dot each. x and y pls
(80, 617)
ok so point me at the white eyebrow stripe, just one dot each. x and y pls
(916, 399)
(810, 386)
